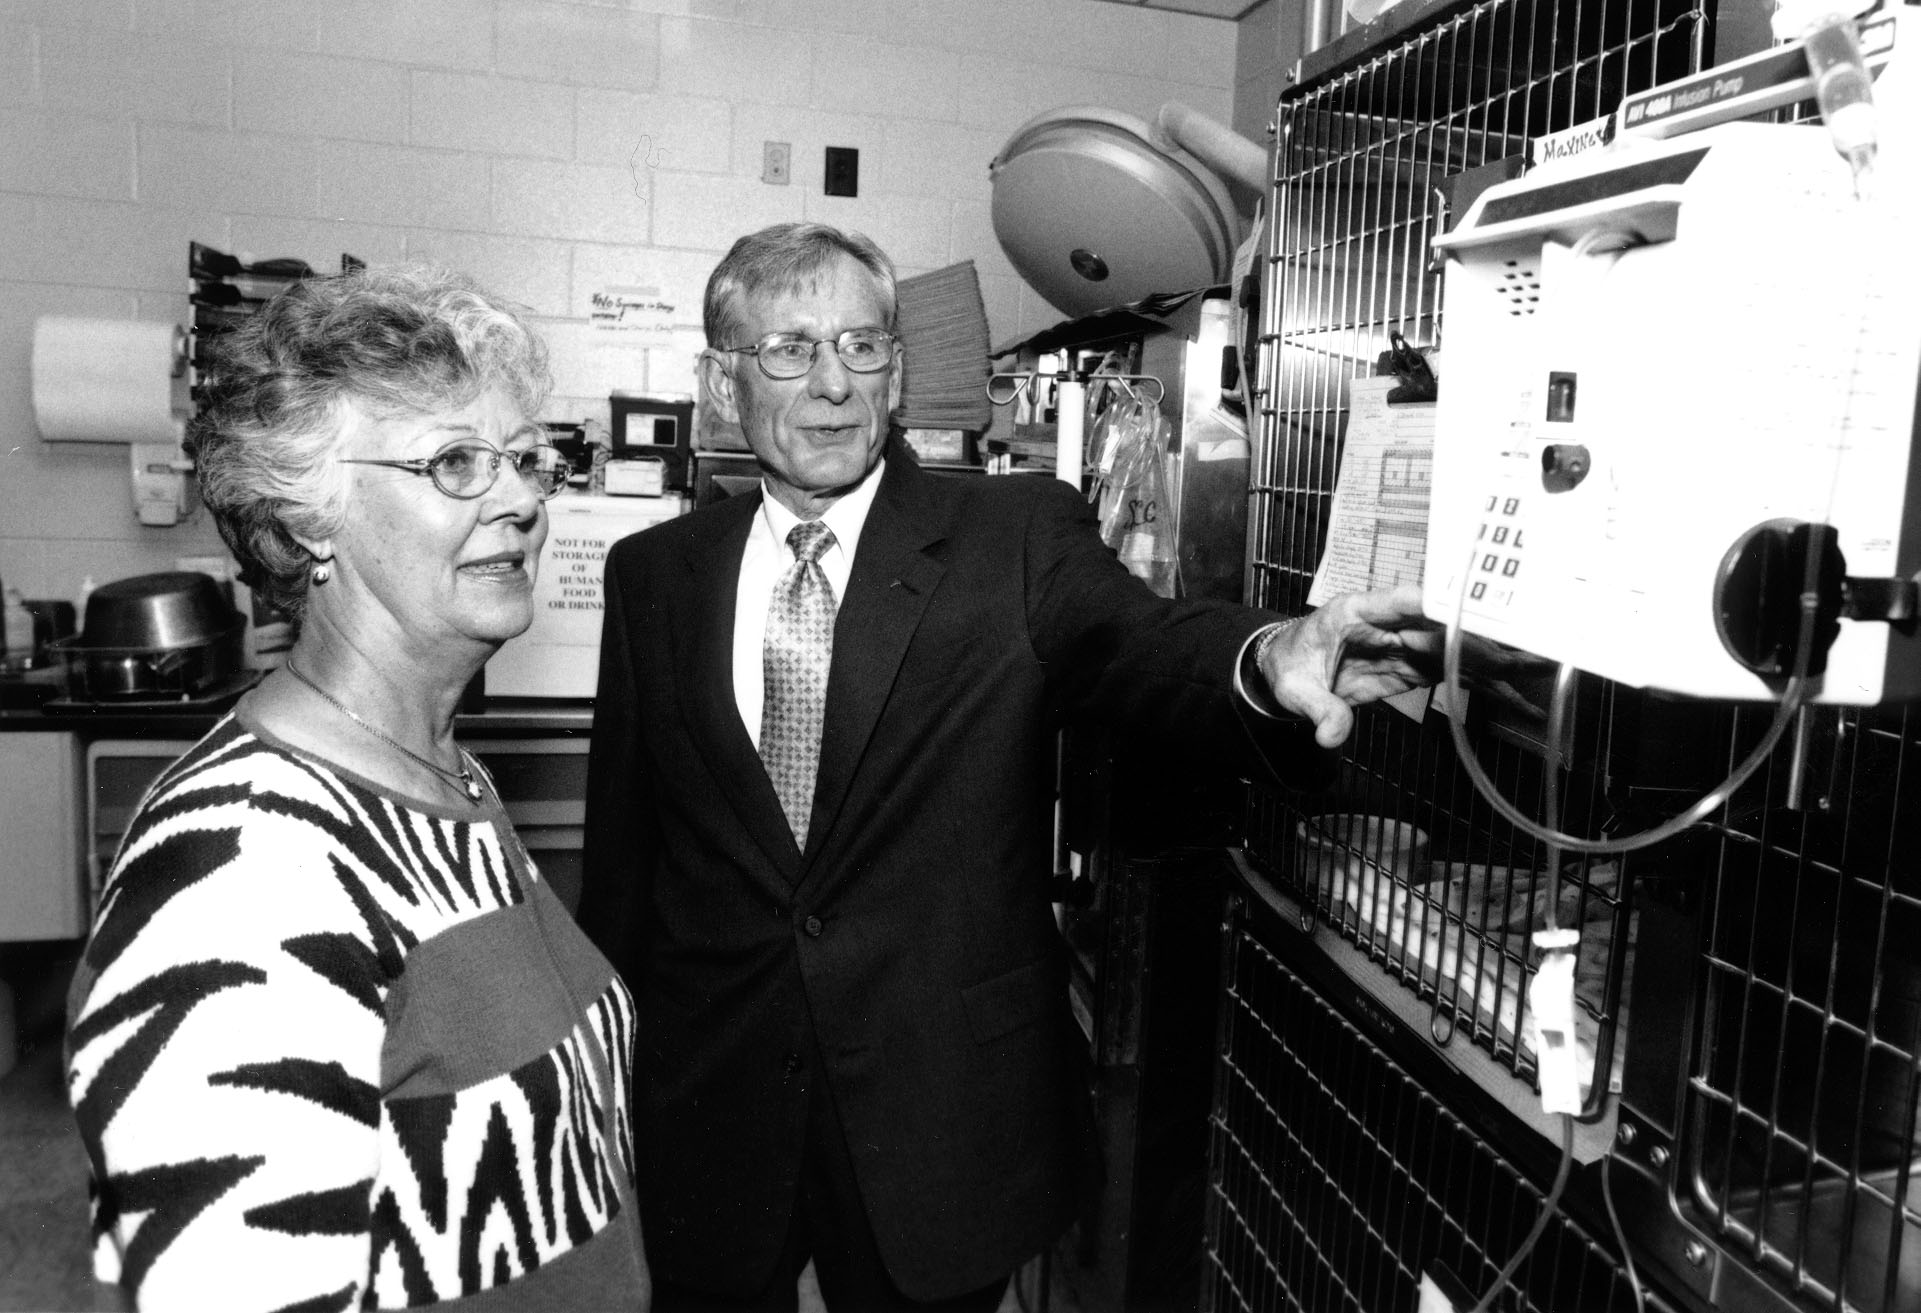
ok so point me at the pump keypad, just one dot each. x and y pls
(1500, 559)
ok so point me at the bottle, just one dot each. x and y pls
(17, 624)
(600, 446)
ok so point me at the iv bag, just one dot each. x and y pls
(1136, 514)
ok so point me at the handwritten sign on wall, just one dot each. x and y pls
(647, 311)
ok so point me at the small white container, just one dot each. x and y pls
(645, 476)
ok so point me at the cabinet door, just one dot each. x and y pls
(119, 772)
(43, 893)
(543, 784)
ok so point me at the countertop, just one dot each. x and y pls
(500, 717)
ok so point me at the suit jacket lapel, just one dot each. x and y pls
(892, 582)
(706, 683)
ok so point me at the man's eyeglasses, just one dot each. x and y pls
(789, 355)
(468, 469)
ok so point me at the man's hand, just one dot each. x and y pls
(1357, 648)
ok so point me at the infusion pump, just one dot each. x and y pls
(1665, 368)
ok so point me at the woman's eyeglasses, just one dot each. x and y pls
(468, 469)
(790, 355)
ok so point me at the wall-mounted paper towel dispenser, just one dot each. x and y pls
(119, 381)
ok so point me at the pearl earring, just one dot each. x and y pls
(322, 573)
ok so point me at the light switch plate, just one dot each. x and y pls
(777, 163)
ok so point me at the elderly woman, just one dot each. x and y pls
(334, 1042)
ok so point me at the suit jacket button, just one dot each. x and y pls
(793, 1064)
(812, 926)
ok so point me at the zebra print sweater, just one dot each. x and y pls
(330, 1048)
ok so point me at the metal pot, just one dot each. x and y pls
(153, 636)
(176, 608)
(113, 673)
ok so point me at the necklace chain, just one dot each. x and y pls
(462, 779)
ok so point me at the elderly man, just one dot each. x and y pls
(818, 830)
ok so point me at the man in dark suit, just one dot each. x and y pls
(831, 898)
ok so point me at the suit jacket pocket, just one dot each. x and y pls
(1008, 1001)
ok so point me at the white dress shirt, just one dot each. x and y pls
(761, 565)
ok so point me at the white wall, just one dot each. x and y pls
(550, 147)
(1268, 48)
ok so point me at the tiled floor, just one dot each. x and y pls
(1023, 1294)
(43, 1200)
(44, 1263)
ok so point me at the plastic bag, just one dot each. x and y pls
(1136, 513)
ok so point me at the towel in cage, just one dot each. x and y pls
(1465, 929)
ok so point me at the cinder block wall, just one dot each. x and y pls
(553, 148)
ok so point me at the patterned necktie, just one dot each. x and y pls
(794, 660)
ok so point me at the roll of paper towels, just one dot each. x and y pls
(109, 380)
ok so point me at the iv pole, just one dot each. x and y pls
(1070, 407)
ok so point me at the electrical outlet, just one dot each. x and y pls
(777, 163)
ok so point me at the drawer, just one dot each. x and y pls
(543, 783)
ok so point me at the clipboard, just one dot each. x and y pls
(1377, 523)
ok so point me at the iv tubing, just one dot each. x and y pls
(1710, 802)
(1551, 811)
(1549, 1206)
(1551, 787)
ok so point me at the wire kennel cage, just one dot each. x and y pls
(1798, 1144)
(1749, 993)
(1343, 1181)
(1374, 149)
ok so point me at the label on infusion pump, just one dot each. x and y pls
(1739, 88)
(1554, 147)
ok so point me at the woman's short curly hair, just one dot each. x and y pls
(390, 342)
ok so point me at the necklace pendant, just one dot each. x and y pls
(464, 778)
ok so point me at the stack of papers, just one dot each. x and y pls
(943, 330)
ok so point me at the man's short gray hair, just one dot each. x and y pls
(785, 260)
